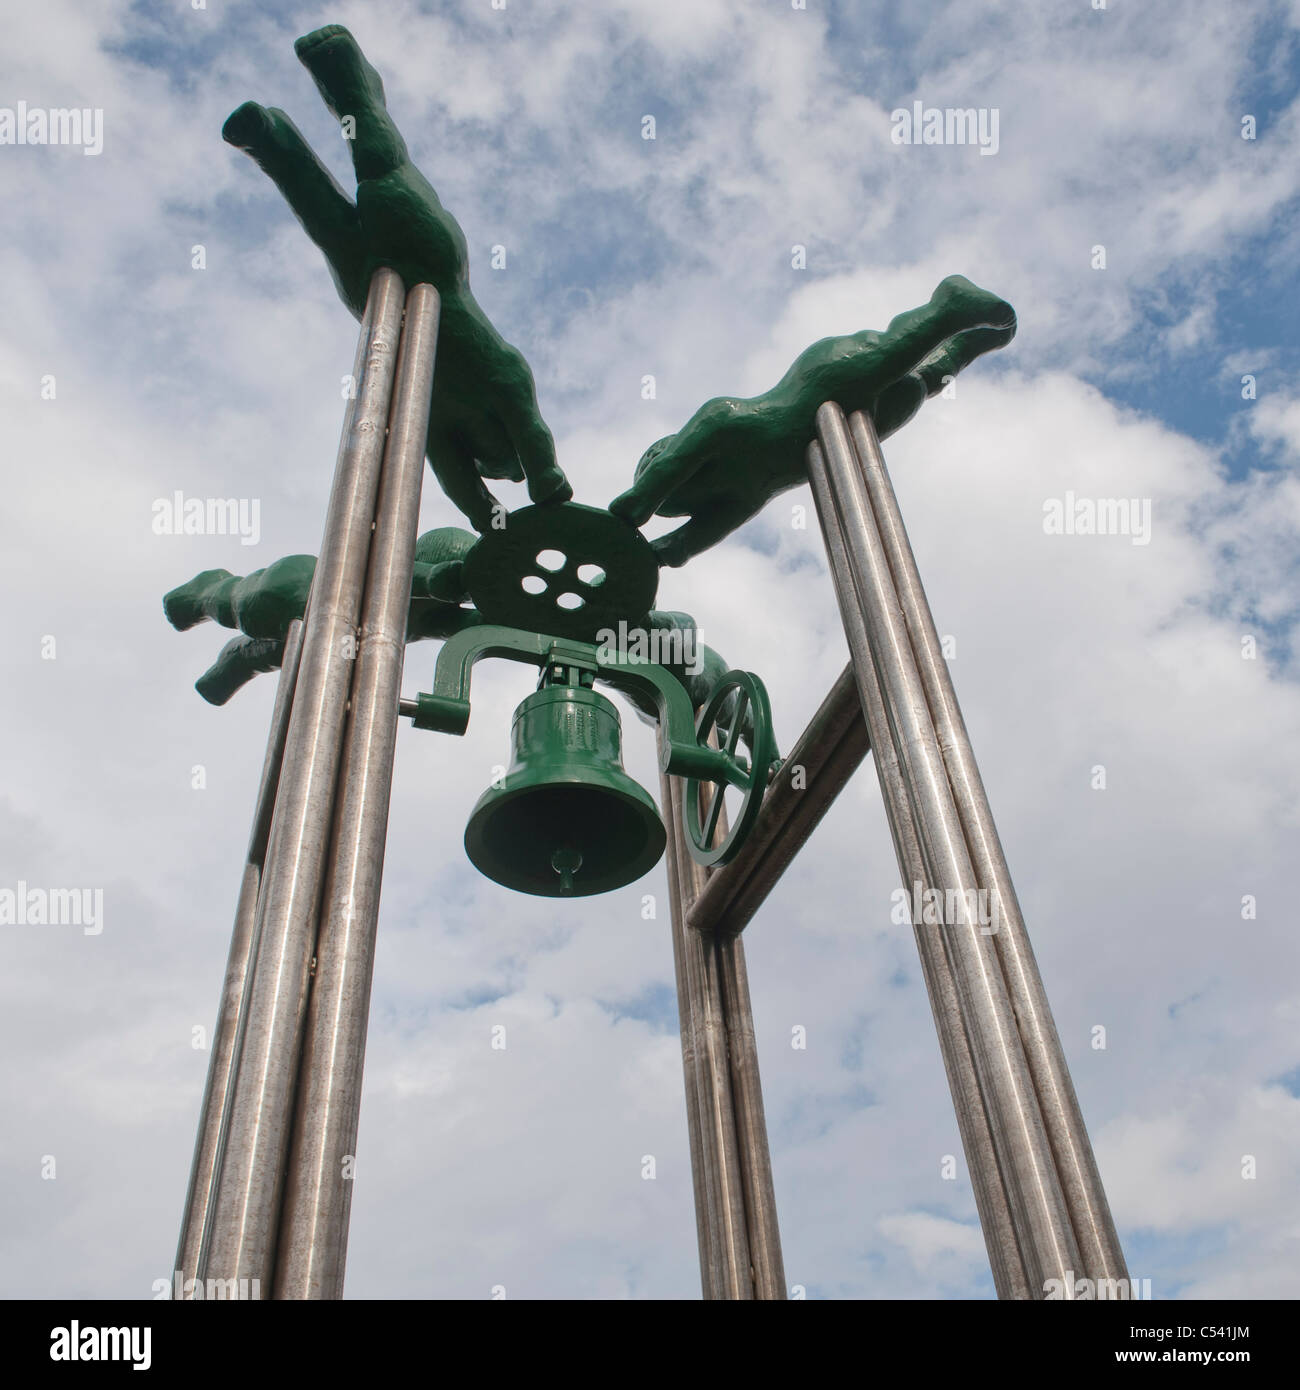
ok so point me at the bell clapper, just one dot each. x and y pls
(566, 862)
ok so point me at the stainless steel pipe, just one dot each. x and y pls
(739, 1237)
(972, 1123)
(257, 1141)
(1039, 1213)
(1094, 1229)
(312, 1247)
(199, 1198)
(767, 1266)
(716, 1157)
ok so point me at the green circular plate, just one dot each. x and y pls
(565, 571)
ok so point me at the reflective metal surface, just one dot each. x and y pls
(257, 1138)
(318, 1193)
(1094, 1229)
(735, 1202)
(196, 1223)
(1041, 1220)
(972, 1123)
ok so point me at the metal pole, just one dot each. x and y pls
(243, 943)
(1038, 1209)
(819, 766)
(1089, 1210)
(252, 1172)
(972, 1122)
(735, 1110)
(687, 1010)
(312, 1247)
(721, 1218)
(761, 1228)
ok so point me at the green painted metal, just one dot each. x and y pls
(567, 820)
(739, 710)
(512, 583)
(484, 420)
(549, 584)
(734, 455)
(535, 821)
(446, 708)
(261, 605)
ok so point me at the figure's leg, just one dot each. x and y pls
(707, 527)
(899, 402)
(327, 214)
(351, 87)
(240, 660)
(959, 352)
(206, 596)
(955, 307)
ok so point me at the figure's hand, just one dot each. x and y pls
(484, 421)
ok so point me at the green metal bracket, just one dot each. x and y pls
(446, 709)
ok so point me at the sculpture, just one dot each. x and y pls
(261, 605)
(733, 456)
(484, 420)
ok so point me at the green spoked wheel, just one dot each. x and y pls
(740, 714)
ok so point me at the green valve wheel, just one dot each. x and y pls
(739, 712)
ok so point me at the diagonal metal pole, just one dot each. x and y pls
(972, 1122)
(252, 1173)
(1089, 1210)
(827, 754)
(1041, 1219)
(312, 1247)
(197, 1221)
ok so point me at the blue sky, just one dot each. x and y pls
(673, 258)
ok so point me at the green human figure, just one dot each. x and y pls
(734, 455)
(261, 605)
(484, 420)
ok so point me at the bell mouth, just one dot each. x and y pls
(564, 839)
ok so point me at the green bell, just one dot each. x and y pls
(567, 821)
